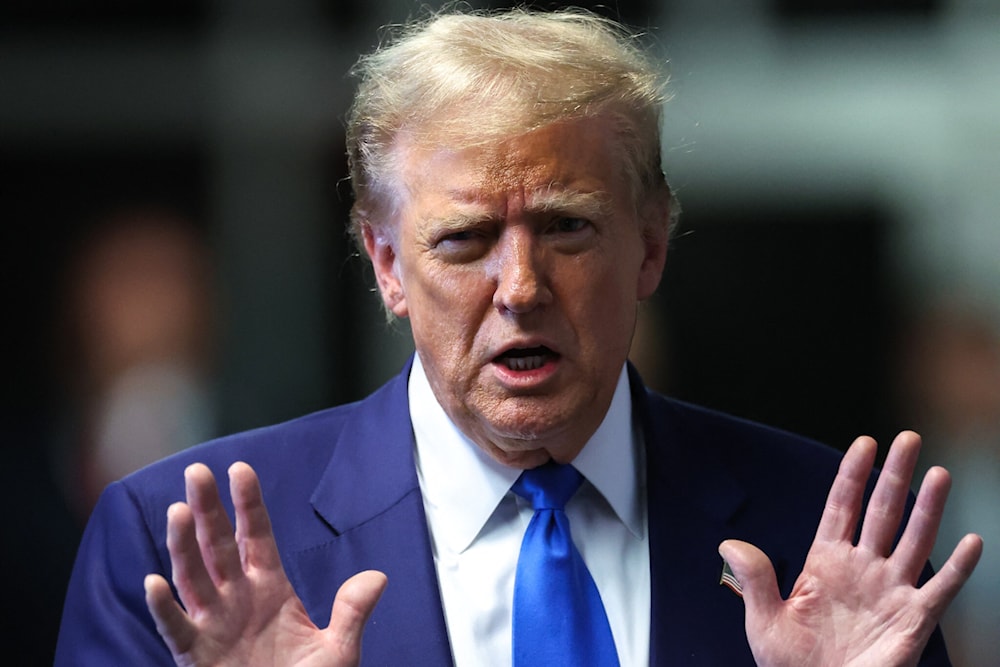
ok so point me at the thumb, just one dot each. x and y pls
(352, 606)
(755, 574)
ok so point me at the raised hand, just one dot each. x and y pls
(239, 607)
(858, 604)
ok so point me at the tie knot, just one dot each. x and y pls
(549, 486)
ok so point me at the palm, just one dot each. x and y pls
(240, 607)
(858, 604)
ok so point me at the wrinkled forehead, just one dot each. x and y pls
(578, 153)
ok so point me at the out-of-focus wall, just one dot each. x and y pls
(893, 115)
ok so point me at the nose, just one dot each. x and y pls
(521, 281)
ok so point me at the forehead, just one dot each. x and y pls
(580, 155)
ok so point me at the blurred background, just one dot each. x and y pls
(176, 264)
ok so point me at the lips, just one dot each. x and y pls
(525, 359)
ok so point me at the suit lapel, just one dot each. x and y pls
(691, 503)
(370, 502)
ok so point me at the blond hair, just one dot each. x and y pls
(460, 79)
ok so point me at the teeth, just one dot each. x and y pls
(525, 363)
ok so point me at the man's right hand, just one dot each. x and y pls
(239, 607)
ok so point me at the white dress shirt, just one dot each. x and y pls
(476, 525)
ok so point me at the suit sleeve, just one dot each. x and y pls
(935, 654)
(105, 620)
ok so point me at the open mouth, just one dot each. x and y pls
(526, 359)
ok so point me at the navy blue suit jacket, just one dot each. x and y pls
(343, 495)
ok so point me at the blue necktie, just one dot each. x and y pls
(559, 618)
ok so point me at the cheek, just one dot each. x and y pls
(447, 308)
(455, 295)
(604, 308)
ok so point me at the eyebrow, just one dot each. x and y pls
(458, 221)
(590, 205)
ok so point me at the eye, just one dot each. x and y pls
(462, 238)
(461, 246)
(568, 225)
(458, 237)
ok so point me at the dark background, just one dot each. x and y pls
(784, 309)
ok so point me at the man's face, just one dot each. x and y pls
(520, 266)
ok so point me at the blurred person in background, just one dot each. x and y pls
(138, 329)
(950, 383)
(132, 350)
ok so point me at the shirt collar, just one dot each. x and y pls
(458, 506)
(611, 459)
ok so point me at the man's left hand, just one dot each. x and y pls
(858, 604)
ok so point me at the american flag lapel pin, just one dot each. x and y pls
(729, 579)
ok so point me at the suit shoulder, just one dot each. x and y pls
(744, 446)
(272, 441)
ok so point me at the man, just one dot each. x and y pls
(510, 198)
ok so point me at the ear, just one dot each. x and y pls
(379, 246)
(655, 221)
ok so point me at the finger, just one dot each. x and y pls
(352, 607)
(755, 574)
(172, 623)
(215, 532)
(843, 503)
(254, 536)
(921, 531)
(194, 584)
(888, 501)
(942, 588)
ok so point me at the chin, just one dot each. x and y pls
(526, 431)
(521, 432)
(523, 458)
